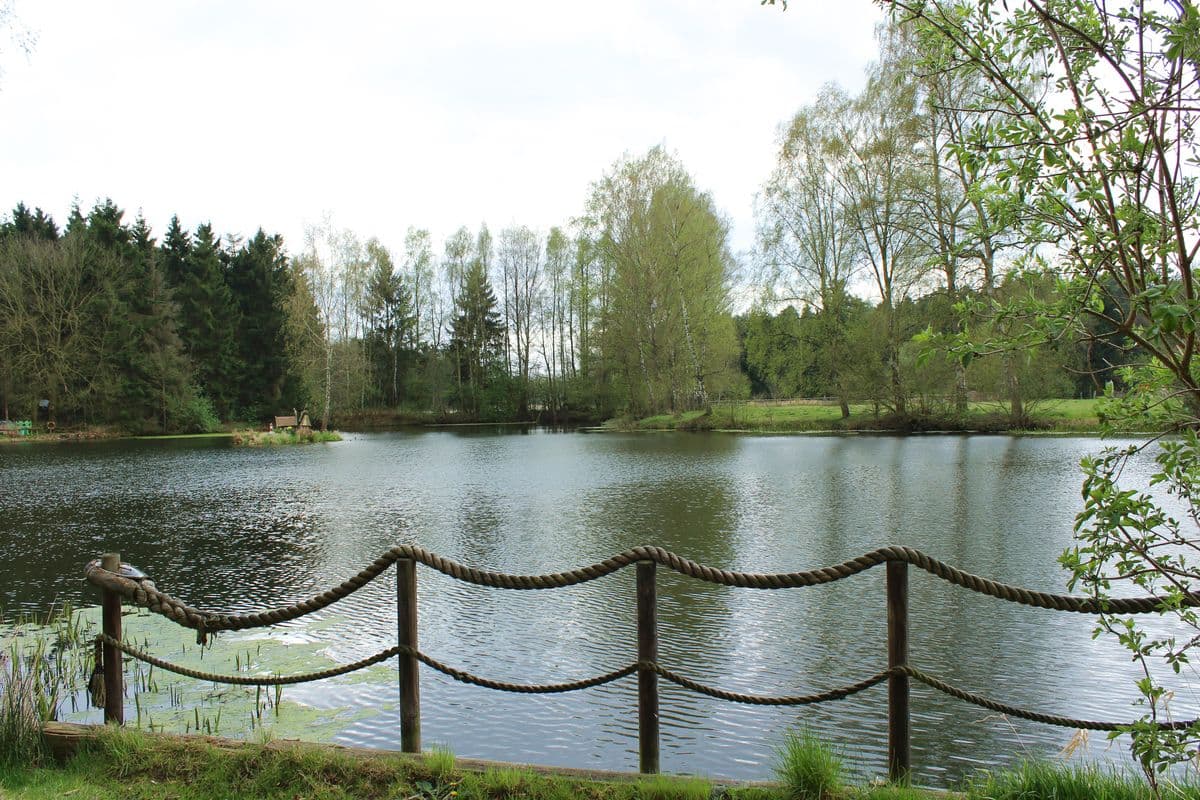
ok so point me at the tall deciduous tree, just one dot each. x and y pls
(881, 184)
(809, 246)
(520, 260)
(390, 319)
(419, 267)
(667, 328)
(45, 300)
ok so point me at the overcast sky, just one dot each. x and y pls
(386, 115)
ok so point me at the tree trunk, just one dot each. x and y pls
(1016, 404)
(960, 388)
(328, 383)
(701, 391)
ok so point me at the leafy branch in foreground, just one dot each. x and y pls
(1087, 130)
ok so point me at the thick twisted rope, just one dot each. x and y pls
(383, 655)
(143, 592)
(761, 700)
(248, 680)
(466, 677)
(1014, 711)
(599, 680)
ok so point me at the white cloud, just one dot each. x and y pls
(398, 114)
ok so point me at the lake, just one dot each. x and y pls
(238, 529)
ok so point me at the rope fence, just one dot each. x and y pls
(120, 583)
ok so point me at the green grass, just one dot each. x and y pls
(440, 761)
(124, 763)
(1035, 780)
(275, 438)
(808, 768)
(1060, 415)
(891, 793)
(662, 787)
(127, 764)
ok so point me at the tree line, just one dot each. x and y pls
(882, 263)
(895, 192)
(101, 323)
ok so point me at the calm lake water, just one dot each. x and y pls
(241, 529)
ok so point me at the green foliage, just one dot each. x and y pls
(121, 763)
(667, 335)
(391, 322)
(258, 279)
(477, 339)
(1095, 142)
(1123, 536)
(808, 768)
(208, 319)
(193, 412)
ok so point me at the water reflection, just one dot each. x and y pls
(229, 528)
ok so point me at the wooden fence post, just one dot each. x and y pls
(114, 685)
(899, 727)
(410, 679)
(647, 630)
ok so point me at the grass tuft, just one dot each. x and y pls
(39, 660)
(440, 762)
(808, 768)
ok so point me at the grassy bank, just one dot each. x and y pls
(276, 438)
(1058, 416)
(127, 764)
(388, 419)
(86, 434)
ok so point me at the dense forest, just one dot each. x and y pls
(881, 257)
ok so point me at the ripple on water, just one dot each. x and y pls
(243, 529)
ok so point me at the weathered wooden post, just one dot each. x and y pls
(110, 604)
(647, 625)
(410, 679)
(899, 728)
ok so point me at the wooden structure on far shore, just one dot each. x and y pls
(297, 421)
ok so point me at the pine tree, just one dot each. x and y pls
(208, 319)
(37, 223)
(258, 280)
(159, 370)
(173, 255)
(391, 321)
(476, 337)
(108, 268)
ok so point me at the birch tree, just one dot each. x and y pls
(808, 245)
